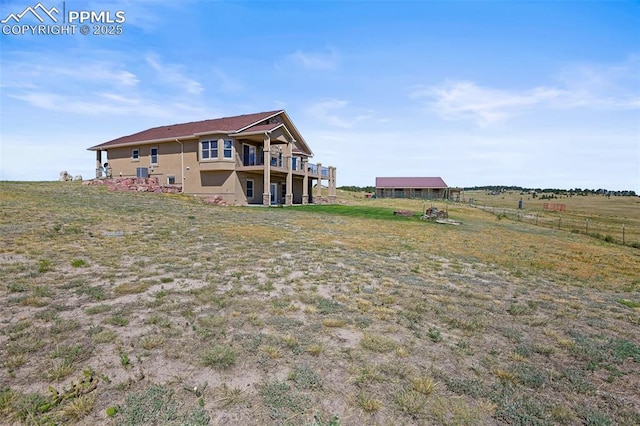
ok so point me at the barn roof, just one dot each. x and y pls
(410, 182)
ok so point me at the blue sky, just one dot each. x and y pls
(531, 93)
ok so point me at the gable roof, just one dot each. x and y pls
(410, 182)
(235, 124)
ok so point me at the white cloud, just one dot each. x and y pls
(96, 104)
(102, 87)
(603, 86)
(316, 60)
(173, 74)
(597, 87)
(32, 73)
(335, 113)
(99, 72)
(458, 100)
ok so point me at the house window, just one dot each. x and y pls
(260, 155)
(135, 155)
(209, 149)
(249, 155)
(154, 155)
(171, 180)
(228, 148)
(249, 188)
(294, 163)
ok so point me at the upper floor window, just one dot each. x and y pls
(209, 149)
(135, 154)
(153, 153)
(228, 148)
(249, 155)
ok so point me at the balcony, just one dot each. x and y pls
(313, 171)
(278, 164)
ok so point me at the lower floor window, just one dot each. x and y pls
(249, 189)
(171, 180)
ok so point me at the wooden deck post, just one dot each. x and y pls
(266, 194)
(288, 198)
(319, 185)
(305, 181)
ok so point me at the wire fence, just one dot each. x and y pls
(613, 230)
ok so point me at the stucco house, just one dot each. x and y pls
(414, 187)
(256, 158)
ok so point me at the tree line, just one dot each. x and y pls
(504, 188)
(556, 191)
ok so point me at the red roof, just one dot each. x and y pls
(410, 182)
(223, 125)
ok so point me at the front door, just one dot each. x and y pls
(274, 193)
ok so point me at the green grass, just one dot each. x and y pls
(158, 405)
(361, 212)
(282, 401)
(219, 358)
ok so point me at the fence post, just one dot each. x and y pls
(587, 227)
(623, 234)
(536, 218)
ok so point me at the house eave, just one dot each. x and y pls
(101, 147)
(262, 119)
(212, 132)
(259, 132)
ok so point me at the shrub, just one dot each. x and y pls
(219, 358)
(78, 263)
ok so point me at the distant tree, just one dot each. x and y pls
(556, 191)
(358, 188)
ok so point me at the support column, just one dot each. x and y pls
(332, 185)
(98, 164)
(266, 194)
(288, 198)
(305, 181)
(319, 185)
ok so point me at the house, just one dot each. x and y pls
(414, 187)
(247, 159)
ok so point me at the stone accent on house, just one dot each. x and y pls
(217, 201)
(134, 185)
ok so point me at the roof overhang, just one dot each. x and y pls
(287, 127)
(136, 143)
(261, 120)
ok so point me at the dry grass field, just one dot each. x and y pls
(137, 308)
(596, 215)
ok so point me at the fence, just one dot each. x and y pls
(557, 207)
(613, 230)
